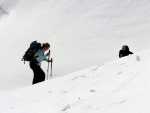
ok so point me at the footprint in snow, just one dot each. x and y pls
(83, 76)
(94, 69)
(66, 107)
(64, 91)
(116, 103)
(123, 101)
(138, 58)
(119, 73)
(50, 91)
(75, 78)
(92, 90)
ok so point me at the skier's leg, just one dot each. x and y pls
(35, 69)
(41, 75)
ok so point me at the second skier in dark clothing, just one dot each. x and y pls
(124, 51)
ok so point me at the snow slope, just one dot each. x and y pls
(6, 6)
(82, 33)
(119, 86)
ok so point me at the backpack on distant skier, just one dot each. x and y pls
(29, 54)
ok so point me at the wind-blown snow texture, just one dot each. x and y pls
(82, 33)
(119, 86)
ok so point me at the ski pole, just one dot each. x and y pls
(48, 65)
(51, 68)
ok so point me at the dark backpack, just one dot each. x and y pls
(29, 54)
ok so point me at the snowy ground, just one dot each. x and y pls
(82, 33)
(119, 86)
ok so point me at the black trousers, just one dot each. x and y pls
(39, 74)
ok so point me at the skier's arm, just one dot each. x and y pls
(47, 60)
(40, 57)
(48, 54)
(130, 52)
(120, 55)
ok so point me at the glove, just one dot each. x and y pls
(49, 61)
(48, 54)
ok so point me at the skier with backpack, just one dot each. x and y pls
(35, 55)
(124, 51)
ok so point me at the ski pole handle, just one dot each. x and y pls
(48, 53)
